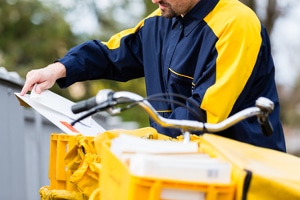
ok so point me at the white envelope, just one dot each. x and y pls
(57, 109)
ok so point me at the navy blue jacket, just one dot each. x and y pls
(218, 55)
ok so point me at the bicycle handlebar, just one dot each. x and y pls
(84, 105)
(106, 100)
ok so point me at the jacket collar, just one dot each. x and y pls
(196, 15)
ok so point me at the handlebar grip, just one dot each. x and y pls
(266, 127)
(84, 105)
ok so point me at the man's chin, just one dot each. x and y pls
(167, 14)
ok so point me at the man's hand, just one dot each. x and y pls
(44, 78)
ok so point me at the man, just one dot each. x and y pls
(214, 52)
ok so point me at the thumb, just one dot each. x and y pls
(38, 89)
(42, 86)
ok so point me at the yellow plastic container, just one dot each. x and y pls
(67, 152)
(59, 174)
(118, 184)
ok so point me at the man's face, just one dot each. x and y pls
(173, 8)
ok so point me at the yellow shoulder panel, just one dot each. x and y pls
(239, 40)
(114, 41)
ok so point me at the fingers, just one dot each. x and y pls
(25, 90)
(29, 83)
(44, 86)
(38, 77)
(44, 77)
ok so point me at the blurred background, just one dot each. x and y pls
(34, 33)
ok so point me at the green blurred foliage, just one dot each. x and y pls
(31, 35)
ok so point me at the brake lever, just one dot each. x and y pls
(266, 106)
(90, 112)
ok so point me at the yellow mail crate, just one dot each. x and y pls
(118, 184)
(59, 174)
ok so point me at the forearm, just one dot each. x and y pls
(93, 60)
(83, 62)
